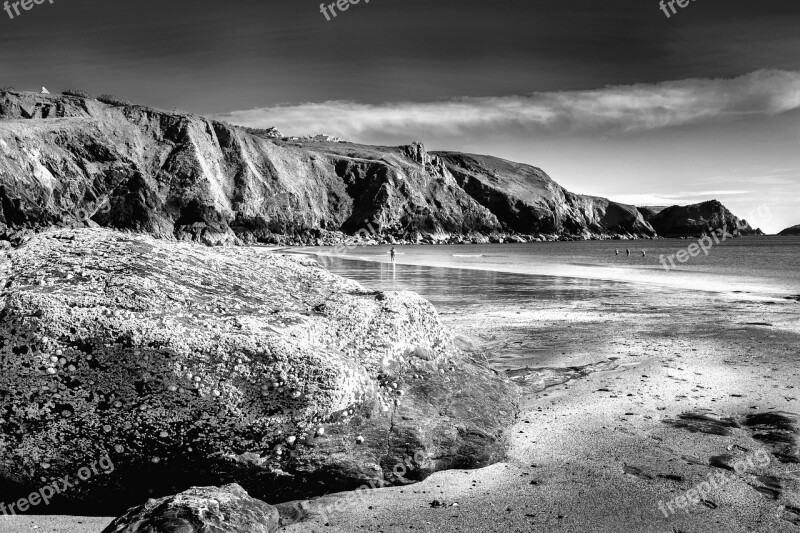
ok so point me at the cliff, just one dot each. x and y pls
(527, 200)
(696, 220)
(70, 160)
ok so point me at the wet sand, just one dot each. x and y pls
(618, 381)
(632, 397)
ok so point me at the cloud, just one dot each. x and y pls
(618, 109)
(680, 198)
(707, 193)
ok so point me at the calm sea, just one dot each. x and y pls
(761, 267)
(553, 279)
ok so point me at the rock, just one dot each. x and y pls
(268, 133)
(527, 200)
(227, 509)
(177, 175)
(189, 366)
(693, 221)
(794, 231)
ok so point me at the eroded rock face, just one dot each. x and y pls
(71, 161)
(188, 366)
(227, 509)
(696, 220)
(527, 200)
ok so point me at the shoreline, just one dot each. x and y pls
(630, 275)
(599, 451)
(607, 450)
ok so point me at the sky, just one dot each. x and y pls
(611, 98)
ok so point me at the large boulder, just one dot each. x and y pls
(177, 365)
(227, 509)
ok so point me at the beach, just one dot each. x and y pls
(635, 393)
(624, 384)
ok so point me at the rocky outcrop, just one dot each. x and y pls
(526, 200)
(793, 231)
(696, 220)
(227, 509)
(76, 161)
(267, 133)
(186, 365)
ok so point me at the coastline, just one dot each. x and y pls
(603, 265)
(631, 419)
(597, 449)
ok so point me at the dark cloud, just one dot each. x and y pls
(212, 56)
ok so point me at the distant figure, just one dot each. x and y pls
(392, 253)
(628, 252)
(644, 253)
(616, 252)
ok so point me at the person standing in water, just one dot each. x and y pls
(392, 254)
(644, 253)
(628, 252)
(616, 252)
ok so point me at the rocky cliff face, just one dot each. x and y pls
(526, 200)
(183, 365)
(69, 161)
(793, 231)
(696, 220)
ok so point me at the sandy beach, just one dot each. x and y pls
(632, 398)
(596, 454)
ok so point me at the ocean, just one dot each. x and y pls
(755, 267)
(545, 309)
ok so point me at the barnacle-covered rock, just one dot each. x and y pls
(185, 366)
(227, 509)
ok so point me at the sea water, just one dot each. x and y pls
(756, 267)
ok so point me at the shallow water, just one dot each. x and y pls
(480, 300)
(546, 328)
(758, 266)
(452, 288)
